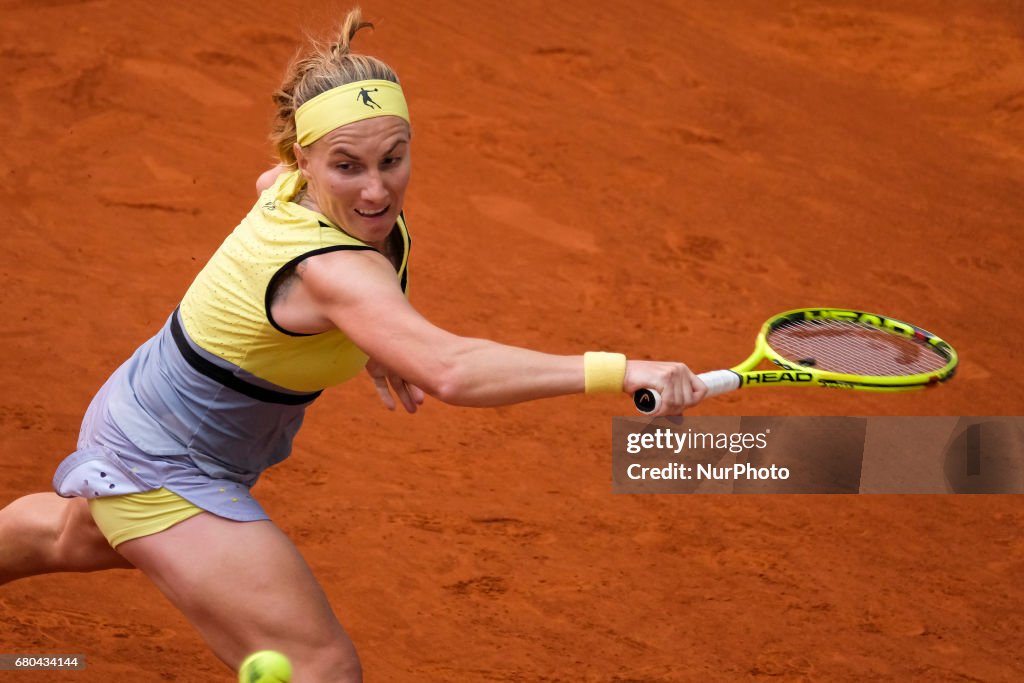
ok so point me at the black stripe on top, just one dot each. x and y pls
(226, 378)
(407, 256)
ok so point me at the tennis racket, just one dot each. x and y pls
(836, 348)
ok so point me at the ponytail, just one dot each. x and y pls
(323, 66)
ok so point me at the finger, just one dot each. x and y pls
(402, 391)
(700, 390)
(687, 391)
(679, 392)
(384, 393)
(673, 408)
(670, 396)
(665, 403)
(417, 394)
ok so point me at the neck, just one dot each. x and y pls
(304, 199)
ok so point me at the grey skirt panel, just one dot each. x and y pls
(163, 404)
(158, 422)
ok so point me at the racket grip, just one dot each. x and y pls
(718, 382)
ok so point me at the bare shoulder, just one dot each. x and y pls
(349, 274)
(358, 292)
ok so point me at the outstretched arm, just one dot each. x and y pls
(357, 291)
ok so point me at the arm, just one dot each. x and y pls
(357, 292)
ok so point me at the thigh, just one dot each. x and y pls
(82, 547)
(245, 587)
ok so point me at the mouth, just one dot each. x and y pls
(373, 214)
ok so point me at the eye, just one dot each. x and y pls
(391, 161)
(346, 166)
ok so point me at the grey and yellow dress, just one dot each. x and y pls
(216, 397)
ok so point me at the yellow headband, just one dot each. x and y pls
(347, 104)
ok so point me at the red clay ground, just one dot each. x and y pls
(655, 179)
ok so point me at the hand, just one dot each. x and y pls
(678, 386)
(268, 178)
(409, 394)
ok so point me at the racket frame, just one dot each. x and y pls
(792, 373)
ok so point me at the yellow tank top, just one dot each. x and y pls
(226, 310)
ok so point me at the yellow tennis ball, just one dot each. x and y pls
(265, 666)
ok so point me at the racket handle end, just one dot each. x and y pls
(646, 401)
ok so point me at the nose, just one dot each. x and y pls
(373, 191)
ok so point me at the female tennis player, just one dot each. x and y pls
(306, 292)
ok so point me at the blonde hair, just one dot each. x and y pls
(324, 66)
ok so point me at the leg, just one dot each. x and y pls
(245, 586)
(43, 533)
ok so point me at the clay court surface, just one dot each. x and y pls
(655, 178)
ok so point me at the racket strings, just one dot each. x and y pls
(853, 348)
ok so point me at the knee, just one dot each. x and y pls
(29, 532)
(337, 662)
(322, 658)
(43, 533)
(34, 520)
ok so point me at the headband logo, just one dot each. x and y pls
(364, 94)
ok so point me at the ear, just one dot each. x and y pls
(301, 159)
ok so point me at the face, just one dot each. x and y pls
(357, 175)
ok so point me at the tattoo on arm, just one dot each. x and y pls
(286, 280)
